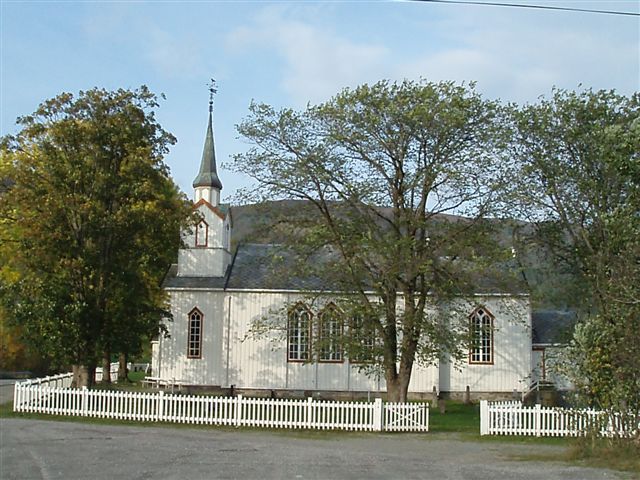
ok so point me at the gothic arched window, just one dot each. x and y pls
(481, 331)
(194, 334)
(202, 233)
(298, 333)
(330, 334)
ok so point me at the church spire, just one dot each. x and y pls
(207, 183)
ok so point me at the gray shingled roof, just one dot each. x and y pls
(265, 266)
(269, 267)
(171, 280)
(552, 326)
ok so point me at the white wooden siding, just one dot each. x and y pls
(511, 352)
(211, 260)
(174, 363)
(231, 355)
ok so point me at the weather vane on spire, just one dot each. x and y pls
(213, 89)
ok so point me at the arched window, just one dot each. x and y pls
(481, 326)
(298, 333)
(202, 233)
(330, 334)
(194, 334)
(363, 339)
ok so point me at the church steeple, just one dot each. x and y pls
(207, 184)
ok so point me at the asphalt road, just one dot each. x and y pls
(38, 449)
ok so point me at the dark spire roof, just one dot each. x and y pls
(208, 176)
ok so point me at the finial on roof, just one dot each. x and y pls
(213, 89)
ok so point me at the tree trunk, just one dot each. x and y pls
(397, 385)
(106, 367)
(122, 368)
(75, 369)
(86, 376)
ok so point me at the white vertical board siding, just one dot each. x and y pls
(174, 363)
(256, 361)
(155, 357)
(511, 350)
(233, 355)
(261, 361)
(423, 379)
(202, 262)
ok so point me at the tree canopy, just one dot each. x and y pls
(579, 161)
(380, 168)
(89, 224)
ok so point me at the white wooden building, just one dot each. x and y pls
(216, 295)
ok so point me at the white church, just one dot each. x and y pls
(216, 295)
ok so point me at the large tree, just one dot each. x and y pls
(379, 168)
(579, 158)
(89, 224)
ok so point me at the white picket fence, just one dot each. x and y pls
(235, 411)
(513, 418)
(113, 372)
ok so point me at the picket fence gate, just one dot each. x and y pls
(55, 397)
(513, 418)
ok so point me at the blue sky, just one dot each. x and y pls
(291, 53)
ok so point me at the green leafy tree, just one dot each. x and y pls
(379, 168)
(90, 222)
(580, 186)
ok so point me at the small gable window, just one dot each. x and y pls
(202, 233)
(481, 331)
(330, 334)
(298, 333)
(194, 342)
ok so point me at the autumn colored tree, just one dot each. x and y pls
(89, 223)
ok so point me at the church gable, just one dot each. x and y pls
(212, 229)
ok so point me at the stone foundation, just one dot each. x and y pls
(340, 395)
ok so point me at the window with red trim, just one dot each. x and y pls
(330, 334)
(481, 325)
(363, 340)
(202, 233)
(299, 333)
(194, 333)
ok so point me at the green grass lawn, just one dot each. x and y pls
(459, 418)
(464, 421)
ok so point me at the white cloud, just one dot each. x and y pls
(513, 55)
(519, 58)
(318, 63)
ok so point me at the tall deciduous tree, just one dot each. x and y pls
(380, 166)
(90, 222)
(579, 154)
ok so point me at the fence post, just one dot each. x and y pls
(538, 419)
(16, 398)
(377, 415)
(310, 419)
(484, 417)
(160, 410)
(238, 410)
(84, 402)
